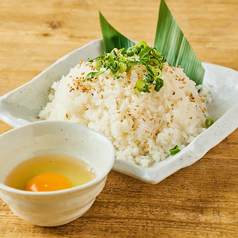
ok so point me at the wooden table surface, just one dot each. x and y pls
(198, 201)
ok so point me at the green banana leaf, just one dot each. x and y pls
(169, 40)
(112, 38)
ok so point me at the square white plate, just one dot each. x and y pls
(22, 106)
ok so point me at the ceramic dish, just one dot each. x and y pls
(22, 105)
(54, 208)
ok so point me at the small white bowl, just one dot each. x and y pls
(54, 137)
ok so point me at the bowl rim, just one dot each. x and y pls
(93, 182)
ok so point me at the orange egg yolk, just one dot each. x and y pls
(48, 182)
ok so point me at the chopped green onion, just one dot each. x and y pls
(118, 76)
(128, 68)
(156, 54)
(117, 62)
(157, 72)
(114, 54)
(142, 44)
(149, 78)
(140, 85)
(122, 67)
(92, 75)
(114, 67)
(109, 57)
(135, 92)
(98, 65)
(174, 150)
(208, 122)
(159, 82)
(145, 51)
(136, 50)
(132, 63)
(122, 51)
(153, 61)
(130, 52)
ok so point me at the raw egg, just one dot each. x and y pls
(50, 173)
(48, 182)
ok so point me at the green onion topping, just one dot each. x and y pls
(141, 85)
(120, 61)
(93, 75)
(98, 65)
(208, 122)
(174, 150)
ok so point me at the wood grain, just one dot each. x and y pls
(198, 201)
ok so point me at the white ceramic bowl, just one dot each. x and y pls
(22, 105)
(54, 137)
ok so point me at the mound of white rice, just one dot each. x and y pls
(142, 126)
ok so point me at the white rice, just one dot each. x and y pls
(143, 127)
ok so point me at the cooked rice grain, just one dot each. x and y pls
(143, 127)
